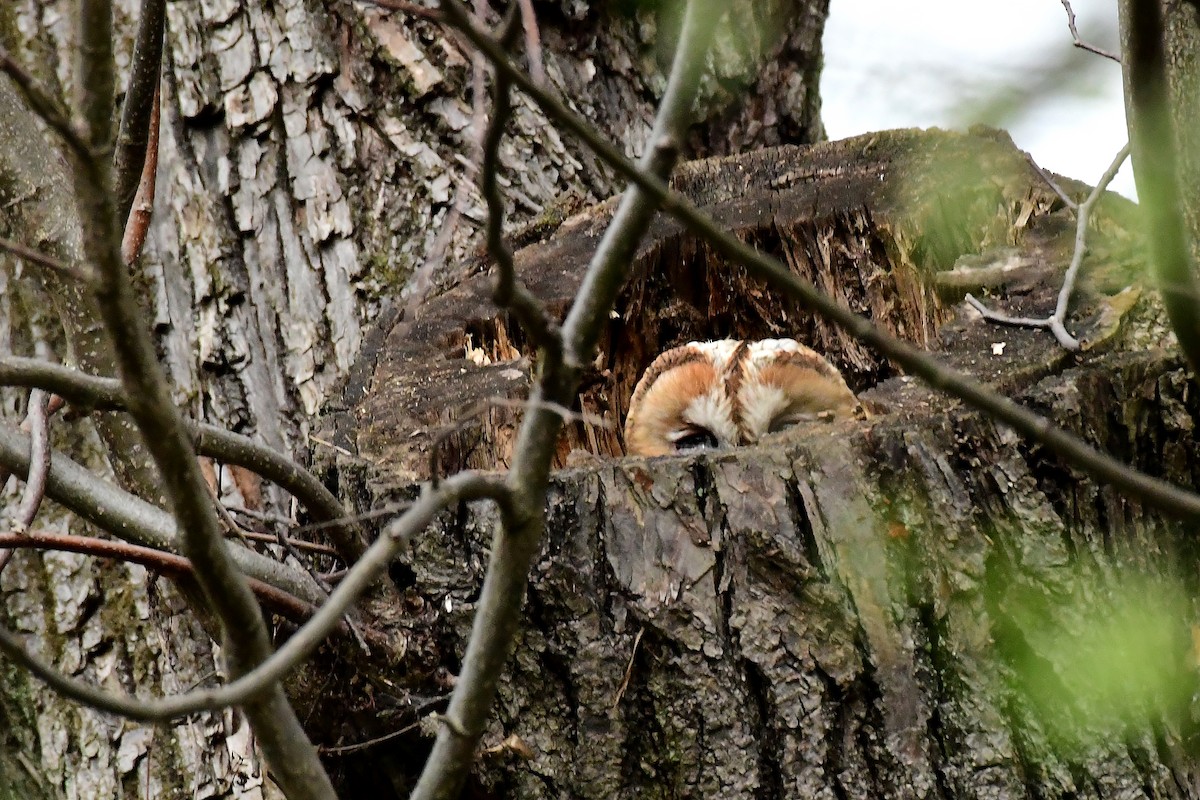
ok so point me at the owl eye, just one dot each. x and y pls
(692, 438)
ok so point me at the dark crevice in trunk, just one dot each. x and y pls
(800, 504)
(836, 706)
(937, 665)
(769, 741)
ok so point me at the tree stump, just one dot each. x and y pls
(875, 607)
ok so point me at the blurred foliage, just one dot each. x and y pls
(746, 36)
(1094, 658)
(1063, 72)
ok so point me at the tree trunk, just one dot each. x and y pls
(313, 157)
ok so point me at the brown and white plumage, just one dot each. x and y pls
(729, 392)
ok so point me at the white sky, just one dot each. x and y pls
(1008, 63)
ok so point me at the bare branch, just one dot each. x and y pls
(137, 139)
(78, 388)
(1152, 491)
(37, 423)
(76, 488)
(54, 404)
(1058, 190)
(1004, 319)
(51, 218)
(292, 757)
(1083, 216)
(1056, 322)
(137, 223)
(299, 647)
(533, 42)
(88, 391)
(515, 544)
(1082, 45)
(96, 87)
(279, 601)
(39, 460)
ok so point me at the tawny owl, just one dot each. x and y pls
(720, 394)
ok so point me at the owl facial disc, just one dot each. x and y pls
(729, 392)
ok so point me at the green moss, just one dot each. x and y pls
(8, 27)
(553, 215)
(384, 273)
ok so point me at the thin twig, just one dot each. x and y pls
(413, 9)
(1056, 322)
(1152, 491)
(1058, 190)
(279, 601)
(387, 737)
(39, 461)
(274, 519)
(79, 490)
(299, 647)
(138, 222)
(533, 42)
(42, 260)
(470, 416)
(211, 481)
(137, 138)
(389, 510)
(336, 576)
(326, 587)
(290, 549)
(628, 669)
(297, 544)
(1082, 45)
(87, 391)
(564, 413)
(233, 448)
(283, 541)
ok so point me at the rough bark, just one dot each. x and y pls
(852, 609)
(311, 156)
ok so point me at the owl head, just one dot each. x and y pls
(728, 393)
